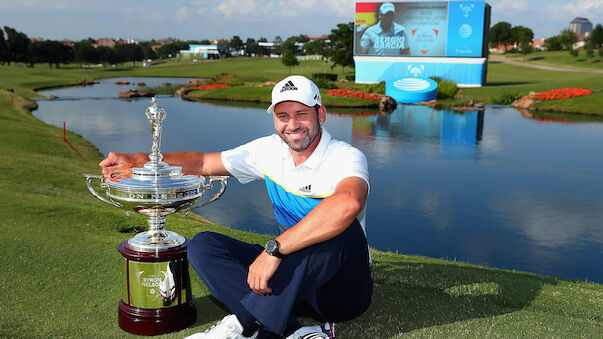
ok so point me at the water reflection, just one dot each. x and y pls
(563, 118)
(453, 182)
(540, 222)
(423, 124)
(491, 188)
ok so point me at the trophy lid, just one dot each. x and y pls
(148, 178)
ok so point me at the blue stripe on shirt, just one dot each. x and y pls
(289, 208)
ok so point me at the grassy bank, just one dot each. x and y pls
(503, 81)
(252, 71)
(61, 273)
(517, 81)
(561, 59)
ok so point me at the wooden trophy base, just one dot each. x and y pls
(144, 321)
(152, 303)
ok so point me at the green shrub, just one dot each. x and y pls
(350, 77)
(447, 89)
(506, 98)
(323, 83)
(328, 76)
(376, 88)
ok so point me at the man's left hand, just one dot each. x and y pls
(261, 271)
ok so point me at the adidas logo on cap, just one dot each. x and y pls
(295, 88)
(289, 86)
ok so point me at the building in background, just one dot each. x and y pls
(582, 27)
(197, 52)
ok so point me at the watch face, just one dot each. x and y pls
(271, 246)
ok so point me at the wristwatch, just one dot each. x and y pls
(272, 249)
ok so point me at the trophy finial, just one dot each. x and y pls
(155, 114)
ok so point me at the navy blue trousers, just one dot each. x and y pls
(329, 281)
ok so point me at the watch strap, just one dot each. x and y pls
(274, 251)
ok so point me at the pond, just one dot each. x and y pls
(495, 188)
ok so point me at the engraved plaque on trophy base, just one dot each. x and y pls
(156, 296)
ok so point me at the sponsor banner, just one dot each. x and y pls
(467, 72)
(430, 29)
(465, 29)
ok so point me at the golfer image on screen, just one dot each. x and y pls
(385, 37)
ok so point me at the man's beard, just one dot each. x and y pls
(308, 139)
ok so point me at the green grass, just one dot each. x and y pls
(61, 273)
(560, 59)
(504, 78)
(253, 71)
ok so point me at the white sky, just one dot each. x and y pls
(213, 19)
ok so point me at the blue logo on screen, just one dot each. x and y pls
(466, 9)
(465, 31)
(416, 70)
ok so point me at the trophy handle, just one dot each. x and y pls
(209, 186)
(89, 178)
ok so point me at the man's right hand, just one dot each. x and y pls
(119, 165)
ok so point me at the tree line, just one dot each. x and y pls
(17, 47)
(504, 33)
(567, 39)
(337, 48)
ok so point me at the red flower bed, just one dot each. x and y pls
(563, 93)
(212, 87)
(351, 93)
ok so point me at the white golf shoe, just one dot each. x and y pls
(227, 328)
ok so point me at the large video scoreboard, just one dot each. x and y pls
(448, 39)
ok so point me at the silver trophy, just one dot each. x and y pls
(156, 190)
(157, 287)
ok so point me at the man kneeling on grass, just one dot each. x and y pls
(318, 265)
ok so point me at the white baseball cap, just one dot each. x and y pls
(295, 88)
(387, 7)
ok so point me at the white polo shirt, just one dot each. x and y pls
(296, 190)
